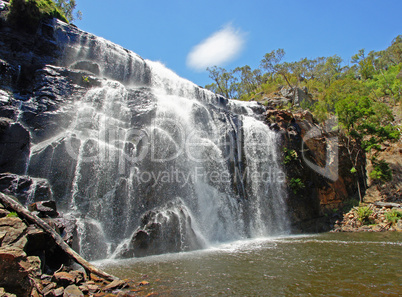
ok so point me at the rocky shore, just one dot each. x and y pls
(32, 263)
(373, 217)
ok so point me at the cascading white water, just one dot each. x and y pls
(152, 153)
(265, 179)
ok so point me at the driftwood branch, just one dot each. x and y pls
(387, 204)
(23, 212)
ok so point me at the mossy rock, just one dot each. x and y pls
(27, 14)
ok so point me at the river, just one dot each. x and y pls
(330, 264)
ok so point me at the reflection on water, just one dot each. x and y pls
(337, 264)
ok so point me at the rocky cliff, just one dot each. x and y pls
(320, 182)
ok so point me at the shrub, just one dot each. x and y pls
(290, 155)
(381, 171)
(27, 14)
(364, 213)
(296, 185)
(393, 216)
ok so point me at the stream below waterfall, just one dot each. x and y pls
(330, 264)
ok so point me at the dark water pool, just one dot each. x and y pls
(331, 264)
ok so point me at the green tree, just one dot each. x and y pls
(366, 122)
(225, 83)
(392, 55)
(387, 83)
(272, 64)
(249, 80)
(328, 69)
(67, 7)
(364, 64)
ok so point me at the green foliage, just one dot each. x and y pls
(387, 83)
(364, 213)
(250, 79)
(296, 184)
(393, 216)
(12, 215)
(355, 94)
(28, 13)
(366, 120)
(352, 111)
(340, 90)
(364, 65)
(381, 171)
(392, 55)
(271, 61)
(68, 7)
(289, 156)
(225, 83)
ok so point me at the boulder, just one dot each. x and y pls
(44, 208)
(58, 292)
(13, 228)
(17, 270)
(72, 291)
(287, 92)
(296, 95)
(26, 189)
(167, 229)
(64, 278)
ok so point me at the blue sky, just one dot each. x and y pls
(238, 32)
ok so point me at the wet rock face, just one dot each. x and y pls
(44, 209)
(14, 147)
(25, 188)
(164, 230)
(89, 66)
(316, 190)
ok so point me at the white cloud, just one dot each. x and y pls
(218, 49)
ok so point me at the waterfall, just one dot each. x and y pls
(152, 163)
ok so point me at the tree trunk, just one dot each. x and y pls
(23, 212)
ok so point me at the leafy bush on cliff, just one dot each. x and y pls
(381, 171)
(289, 156)
(297, 185)
(27, 14)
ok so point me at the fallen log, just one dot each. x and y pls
(13, 205)
(387, 204)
